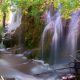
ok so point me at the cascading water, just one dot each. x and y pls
(15, 20)
(56, 40)
(56, 29)
(62, 48)
(73, 34)
(45, 32)
(13, 25)
(2, 45)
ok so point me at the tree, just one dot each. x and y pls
(67, 6)
(4, 7)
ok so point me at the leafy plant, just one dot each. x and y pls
(5, 5)
(68, 6)
(1, 29)
(31, 6)
(4, 8)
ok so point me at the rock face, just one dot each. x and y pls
(8, 43)
(28, 33)
(21, 31)
(0, 38)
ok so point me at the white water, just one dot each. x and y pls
(55, 27)
(14, 21)
(73, 34)
(49, 27)
(58, 33)
(62, 50)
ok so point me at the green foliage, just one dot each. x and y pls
(33, 32)
(1, 29)
(35, 7)
(4, 6)
(4, 9)
(68, 6)
(31, 6)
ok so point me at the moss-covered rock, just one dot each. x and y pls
(0, 38)
(8, 43)
(29, 32)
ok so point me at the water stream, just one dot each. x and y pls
(15, 20)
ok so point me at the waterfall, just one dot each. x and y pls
(14, 21)
(73, 34)
(56, 40)
(55, 27)
(63, 47)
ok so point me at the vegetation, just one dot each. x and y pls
(35, 7)
(67, 6)
(4, 8)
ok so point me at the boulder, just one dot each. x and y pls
(27, 34)
(0, 38)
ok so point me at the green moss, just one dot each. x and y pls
(1, 29)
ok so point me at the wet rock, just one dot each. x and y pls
(27, 34)
(16, 50)
(9, 79)
(47, 74)
(8, 43)
(33, 53)
(0, 38)
(26, 53)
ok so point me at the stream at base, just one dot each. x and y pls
(17, 66)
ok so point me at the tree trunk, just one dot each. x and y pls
(4, 19)
(1, 1)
